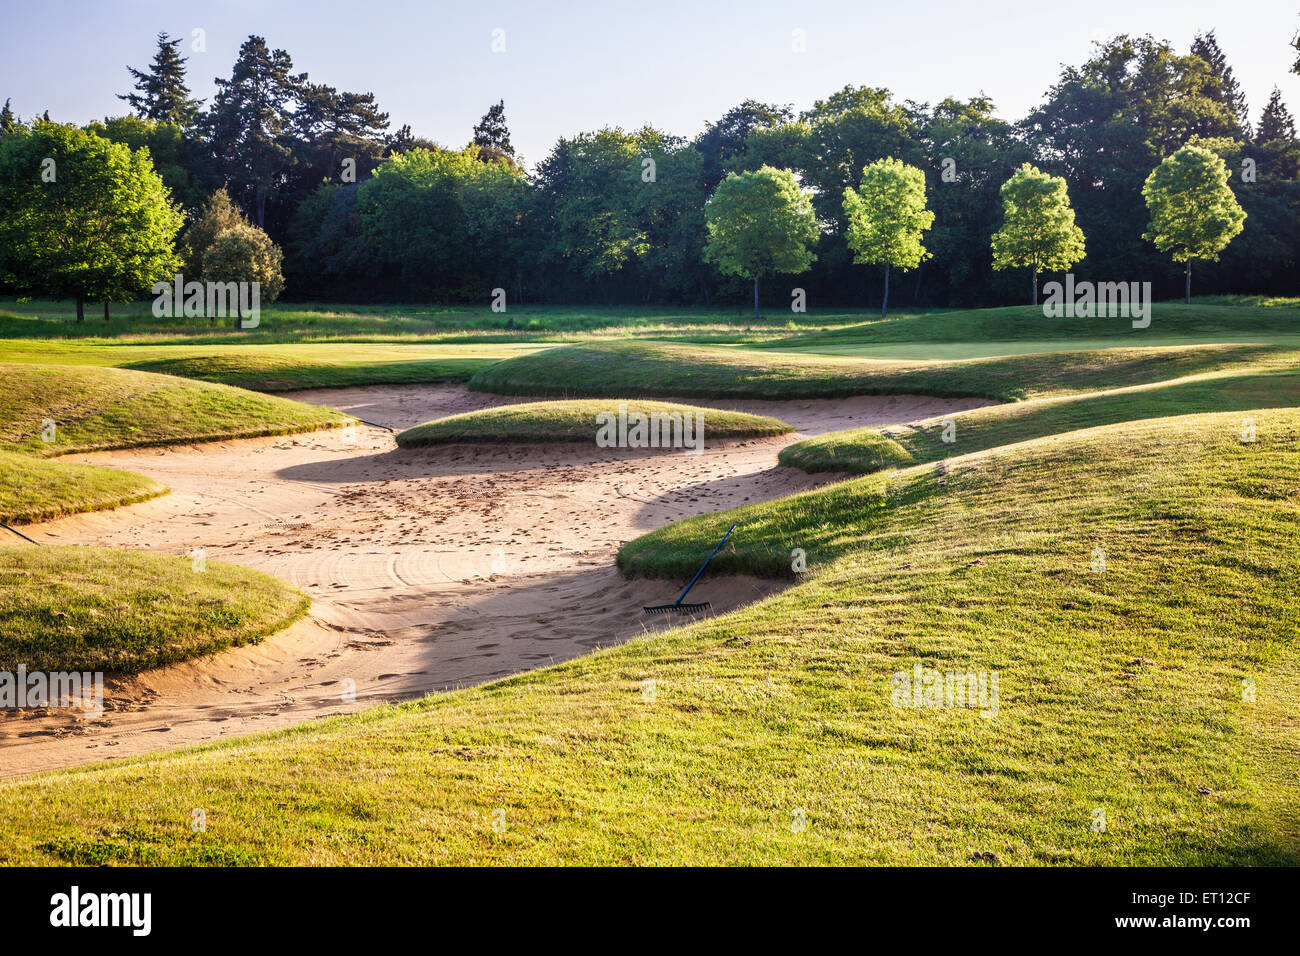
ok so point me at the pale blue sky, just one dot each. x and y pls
(583, 64)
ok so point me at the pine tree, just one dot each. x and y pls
(8, 121)
(249, 122)
(329, 127)
(492, 136)
(1224, 87)
(1275, 122)
(162, 94)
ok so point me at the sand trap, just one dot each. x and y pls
(428, 569)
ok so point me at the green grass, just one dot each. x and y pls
(100, 609)
(1119, 689)
(32, 489)
(317, 322)
(99, 408)
(576, 421)
(865, 450)
(656, 369)
(274, 367)
(1198, 321)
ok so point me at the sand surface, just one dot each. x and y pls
(428, 569)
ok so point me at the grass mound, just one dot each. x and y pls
(1119, 689)
(664, 370)
(99, 408)
(35, 490)
(576, 421)
(856, 450)
(88, 609)
(865, 450)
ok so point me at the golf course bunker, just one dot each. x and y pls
(428, 569)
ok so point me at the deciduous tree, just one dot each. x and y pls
(887, 217)
(81, 216)
(1194, 214)
(1038, 227)
(759, 223)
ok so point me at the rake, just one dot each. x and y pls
(678, 607)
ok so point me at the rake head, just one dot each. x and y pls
(676, 608)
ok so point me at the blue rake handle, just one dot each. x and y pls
(705, 565)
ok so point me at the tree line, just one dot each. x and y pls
(366, 213)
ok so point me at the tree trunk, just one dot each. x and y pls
(1187, 292)
(106, 315)
(1035, 287)
(755, 298)
(81, 308)
(916, 289)
(884, 301)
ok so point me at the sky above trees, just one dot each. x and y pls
(584, 64)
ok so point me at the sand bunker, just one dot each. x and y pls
(428, 569)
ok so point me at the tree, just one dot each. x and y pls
(403, 141)
(218, 215)
(1194, 214)
(1107, 123)
(1222, 87)
(329, 129)
(758, 223)
(168, 147)
(726, 138)
(589, 186)
(245, 254)
(445, 222)
(82, 216)
(970, 154)
(1038, 227)
(492, 136)
(249, 122)
(1275, 122)
(8, 121)
(162, 93)
(886, 217)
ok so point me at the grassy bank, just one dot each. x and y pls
(90, 609)
(1120, 691)
(32, 489)
(864, 450)
(98, 408)
(576, 421)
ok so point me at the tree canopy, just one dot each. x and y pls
(759, 223)
(887, 217)
(1194, 214)
(82, 217)
(1038, 228)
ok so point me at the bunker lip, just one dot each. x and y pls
(439, 568)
